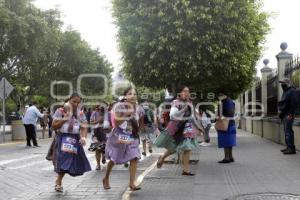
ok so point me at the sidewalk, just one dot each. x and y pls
(260, 167)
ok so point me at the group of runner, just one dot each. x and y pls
(118, 130)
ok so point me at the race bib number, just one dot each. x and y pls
(68, 145)
(125, 136)
(188, 129)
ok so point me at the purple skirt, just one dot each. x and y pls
(70, 155)
(121, 153)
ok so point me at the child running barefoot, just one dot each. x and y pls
(122, 144)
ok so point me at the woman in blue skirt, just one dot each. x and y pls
(70, 155)
(227, 139)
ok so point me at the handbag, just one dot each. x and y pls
(222, 124)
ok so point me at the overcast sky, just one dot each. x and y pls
(92, 18)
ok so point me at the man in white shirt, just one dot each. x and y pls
(30, 119)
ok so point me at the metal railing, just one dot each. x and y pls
(292, 66)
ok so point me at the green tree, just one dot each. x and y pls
(34, 52)
(27, 34)
(76, 57)
(29, 39)
(209, 45)
(40, 100)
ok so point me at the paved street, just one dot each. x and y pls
(25, 174)
(259, 168)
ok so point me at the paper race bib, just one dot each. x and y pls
(125, 136)
(68, 145)
(188, 129)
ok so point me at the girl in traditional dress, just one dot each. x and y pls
(98, 118)
(122, 144)
(70, 156)
(181, 132)
(148, 133)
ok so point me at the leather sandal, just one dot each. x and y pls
(135, 188)
(58, 188)
(187, 173)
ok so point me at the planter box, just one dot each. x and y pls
(18, 130)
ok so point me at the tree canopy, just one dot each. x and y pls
(35, 51)
(209, 45)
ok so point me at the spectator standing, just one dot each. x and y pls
(31, 116)
(287, 107)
